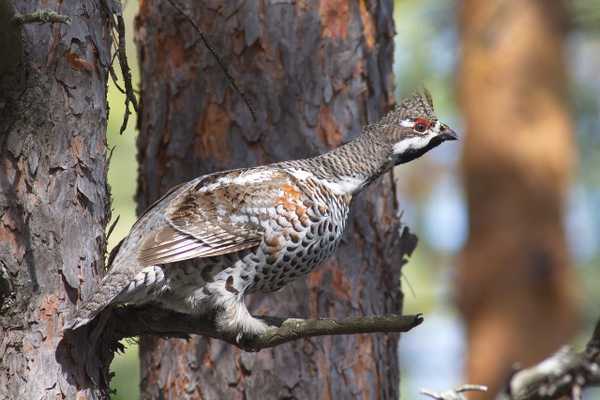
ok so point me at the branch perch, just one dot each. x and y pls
(128, 322)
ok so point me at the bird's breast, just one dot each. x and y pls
(300, 234)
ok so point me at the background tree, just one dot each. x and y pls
(316, 72)
(53, 194)
(515, 283)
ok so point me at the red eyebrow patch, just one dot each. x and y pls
(423, 121)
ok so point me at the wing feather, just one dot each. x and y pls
(213, 217)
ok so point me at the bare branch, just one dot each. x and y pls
(112, 227)
(42, 16)
(565, 373)
(114, 77)
(562, 375)
(94, 345)
(455, 394)
(117, 23)
(122, 56)
(125, 72)
(128, 322)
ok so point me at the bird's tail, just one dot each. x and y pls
(110, 287)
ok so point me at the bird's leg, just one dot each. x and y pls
(235, 319)
(232, 316)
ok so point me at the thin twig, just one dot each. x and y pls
(125, 118)
(115, 79)
(216, 56)
(112, 227)
(42, 16)
(115, 14)
(125, 70)
(454, 394)
(110, 154)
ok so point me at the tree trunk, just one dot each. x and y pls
(53, 194)
(515, 283)
(315, 72)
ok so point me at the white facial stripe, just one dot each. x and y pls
(418, 141)
(415, 142)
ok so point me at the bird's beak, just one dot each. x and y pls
(445, 133)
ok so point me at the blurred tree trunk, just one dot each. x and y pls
(53, 195)
(515, 283)
(315, 73)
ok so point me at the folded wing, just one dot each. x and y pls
(216, 217)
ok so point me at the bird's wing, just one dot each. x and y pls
(219, 215)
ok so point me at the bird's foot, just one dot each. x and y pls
(242, 328)
(248, 333)
(247, 342)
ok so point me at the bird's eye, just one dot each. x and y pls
(420, 127)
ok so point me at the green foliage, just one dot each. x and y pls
(586, 15)
(127, 374)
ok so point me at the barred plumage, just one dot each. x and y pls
(208, 242)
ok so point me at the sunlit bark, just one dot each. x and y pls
(315, 71)
(53, 194)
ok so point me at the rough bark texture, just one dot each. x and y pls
(315, 72)
(53, 193)
(515, 283)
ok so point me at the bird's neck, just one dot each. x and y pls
(352, 166)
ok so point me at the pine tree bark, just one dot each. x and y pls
(53, 195)
(315, 71)
(515, 284)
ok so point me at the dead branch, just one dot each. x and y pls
(125, 71)
(128, 322)
(117, 23)
(94, 345)
(563, 374)
(42, 16)
(455, 394)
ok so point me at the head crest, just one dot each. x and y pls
(419, 104)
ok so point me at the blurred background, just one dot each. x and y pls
(508, 218)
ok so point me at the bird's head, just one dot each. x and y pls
(412, 129)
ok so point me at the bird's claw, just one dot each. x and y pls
(246, 342)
